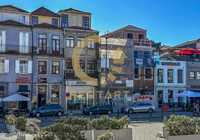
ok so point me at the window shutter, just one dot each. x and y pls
(17, 66)
(4, 40)
(6, 66)
(21, 42)
(29, 66)
(27, 42)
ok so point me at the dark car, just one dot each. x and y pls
(105, 109)
(48, 110)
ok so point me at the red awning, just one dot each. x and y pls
(187, 51)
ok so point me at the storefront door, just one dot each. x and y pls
(42, 95)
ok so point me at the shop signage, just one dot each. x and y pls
(23, 79)
(144, 98)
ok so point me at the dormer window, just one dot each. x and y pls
(64, 21)
(86, 22)
(130, 36)
(34, 20)
(55, 22)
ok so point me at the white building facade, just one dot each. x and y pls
(170, 80)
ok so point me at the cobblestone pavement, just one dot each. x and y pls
(146, 130)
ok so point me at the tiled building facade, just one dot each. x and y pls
(33, 63)
(53, 58)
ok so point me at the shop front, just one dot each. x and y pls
(169, 96)
(78, 97)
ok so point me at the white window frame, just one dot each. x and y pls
(5, 66)
(23, 68)
(23, 42)
(91, 44)
(80, 43)
(2, 41)
(57, 46)
(69, 42)
(198, 75)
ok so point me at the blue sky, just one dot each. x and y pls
(168, 21)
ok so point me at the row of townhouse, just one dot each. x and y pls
(57, 58)
(36, 50)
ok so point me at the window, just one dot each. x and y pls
(2, 66)
(137, 73)
(198, 75)
(160, 97)
(23, 42)
(64, 21)
(2, 41)
(68, 65)
(170, 97)
(91, 67)
(23, 88)
(56, 44)
(70, 42)
(170, 73)
(42, 43)
(160, 75)
(42, 67)
(86, 22)
(91, 44)
(148, 73)
(130, 36)
(80, 43)
(23, 19)
(55, 67)
(34, 20)
(55, 22)
(2, 91)
(140, 36)
(23, 66)
(180, 76)
(192, 75)
(55, 90)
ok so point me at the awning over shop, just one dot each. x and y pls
(15, 98)
(189, 94)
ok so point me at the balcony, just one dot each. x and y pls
(48, 51)
(15, 49)
(125, 42)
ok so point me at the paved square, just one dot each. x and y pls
(146, 131)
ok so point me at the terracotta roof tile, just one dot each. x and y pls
(13, 7)
(74, 10)
(42, 11)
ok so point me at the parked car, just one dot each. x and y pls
(48, 110)
(140, 107)
(105, 109)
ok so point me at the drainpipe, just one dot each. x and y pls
(32, 76)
